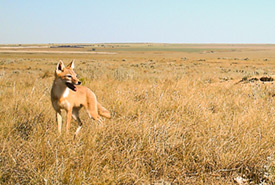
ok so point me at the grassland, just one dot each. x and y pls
(179, 115)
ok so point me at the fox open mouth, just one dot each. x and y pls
(71, 86)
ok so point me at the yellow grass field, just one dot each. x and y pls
(179, 115)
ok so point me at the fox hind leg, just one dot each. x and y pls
(94, 114)
(92, 110)
(75, 115)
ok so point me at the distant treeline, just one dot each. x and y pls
(68, 46)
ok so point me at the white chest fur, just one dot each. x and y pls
(66, 93)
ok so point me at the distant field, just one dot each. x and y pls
(182, 114)
(185, 48)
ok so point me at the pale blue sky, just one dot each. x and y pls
(113, 21)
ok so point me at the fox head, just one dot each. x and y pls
(67, 75)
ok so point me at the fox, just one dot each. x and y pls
(68, 94)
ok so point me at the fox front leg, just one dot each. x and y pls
(69, 118)
(59, 121)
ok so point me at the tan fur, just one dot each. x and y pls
(71, 101)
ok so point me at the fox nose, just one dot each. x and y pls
(78, 83)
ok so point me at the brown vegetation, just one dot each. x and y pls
(174, 120)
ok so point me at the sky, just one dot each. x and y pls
(137, 21)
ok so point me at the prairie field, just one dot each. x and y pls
(181, 114)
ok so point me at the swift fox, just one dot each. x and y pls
(68, 94)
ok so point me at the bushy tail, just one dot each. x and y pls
(103, 111)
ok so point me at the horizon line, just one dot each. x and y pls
(90, 43)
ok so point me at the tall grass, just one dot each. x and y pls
(172, 123)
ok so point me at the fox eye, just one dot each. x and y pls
(69, 76)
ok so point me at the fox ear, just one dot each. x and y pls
(71, 65)
(60, 66)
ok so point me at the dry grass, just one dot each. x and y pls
(175, 120)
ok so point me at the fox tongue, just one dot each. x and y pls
(75, 89)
